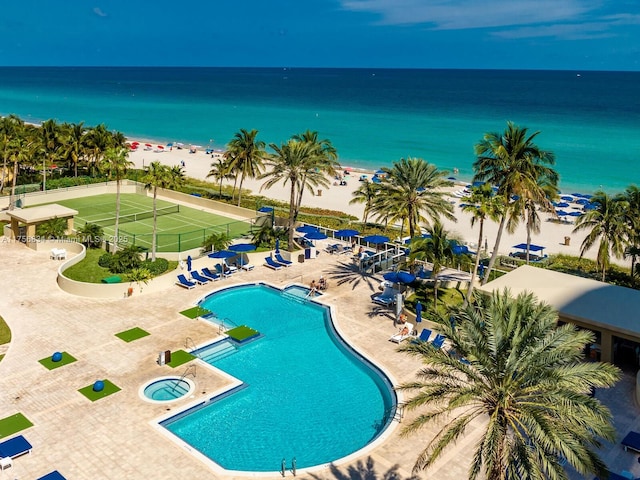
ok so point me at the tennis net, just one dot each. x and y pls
(134, 217)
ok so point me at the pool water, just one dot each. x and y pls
(308, 396)
(167, 389)
(300, 291)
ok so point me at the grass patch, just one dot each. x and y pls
(109, 388)
(242, 333)
(195, 312)
(5, 332)
(49, 364)
(180, 357)
(132, 334)
(14, 424)
(88, 269)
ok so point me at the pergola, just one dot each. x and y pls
(32, 217)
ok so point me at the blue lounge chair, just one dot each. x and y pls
(424, 336)
(223, 271)
(209, 274)
(282, 261)
(183, 282)
(387, 301)
(269, 262)
(631, 442)
(438, 340)
(14, 447)
(195, 275)
(55, 475)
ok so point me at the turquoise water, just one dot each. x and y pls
(308, 396)
(590, 120)
(167, 389)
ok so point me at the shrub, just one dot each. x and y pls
(127, 259)
(105, 260)
(158, 267)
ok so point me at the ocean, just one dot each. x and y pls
(590, 120)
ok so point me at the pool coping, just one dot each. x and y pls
(235, 384)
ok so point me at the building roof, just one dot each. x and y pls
(41, 213)
(581, 299)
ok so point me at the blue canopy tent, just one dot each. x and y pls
(535, 251)
(346, 233)
(376, 239)
(532, 247)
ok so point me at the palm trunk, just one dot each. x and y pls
(4, 173)
(291, 215)
(240, 189)
(528, 242)
(155, 225)
(475, 267)
(233, 192)
(116, 226)
(13, 186)
(494, 254)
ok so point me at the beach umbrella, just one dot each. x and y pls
(189, 260)
(306, 229)
(242, 247)
(582, 201)
(161, 147)
(575, 214)
(376, 239)
(418, 312)
(169, 144)
(222, 254)
(380, 172)
(566, 198)
(399, 277)
(562, 204)
(315, 235)
(561, 213)
(451, 178)
(346, 233)
(277, 245)
(590, 206)
(265, 209)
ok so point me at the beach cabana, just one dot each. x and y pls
(536, 252)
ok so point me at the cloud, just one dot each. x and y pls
(98, 11)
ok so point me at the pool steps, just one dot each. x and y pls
(216, 351)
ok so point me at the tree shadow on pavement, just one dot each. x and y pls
(363, 471)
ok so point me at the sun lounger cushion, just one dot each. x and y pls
(424, 335)
(183, 282)
(282, 261)
(269, 262)
(438, 341)
(55, 475)
(15, 447)
(199, 278)
(209, 274)
(382, 300)
(632, 441)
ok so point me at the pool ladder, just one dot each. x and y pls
(221, 325)
(283, 467)
(190, 345)
(191, 369)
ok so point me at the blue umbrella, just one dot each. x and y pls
(575, 214)
(566, 198)
(582, 201)
(562, 213)
(376, 239)
(380, 172)
(306, 229)
(590, 206)
(242, 247)
(265, 209)
(399, 277)
(418, 312)
(277, 245)
(189, 260)
(222, 254)
(562, 204)
(346, 233)
(315, 235)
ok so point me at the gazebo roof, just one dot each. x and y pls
(41, 213)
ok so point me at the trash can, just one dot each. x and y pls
(301, 258)
(319, 192)
(567, 240)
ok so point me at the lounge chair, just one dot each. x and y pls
(404, 333)
(55, 475)
(335, 248)
(438, 340)
(195, 275)
(631, 442)
(15, 447)
(183, 282)
(282, 261)
(229, 268)
(224, 272)
(615, 476)
(209, 274)
(346, 249)
(424, 336)
(269, 262)
(385, 300)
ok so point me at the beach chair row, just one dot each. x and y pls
(203, 276)
(276, 262)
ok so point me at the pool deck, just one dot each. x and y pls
(114, 438)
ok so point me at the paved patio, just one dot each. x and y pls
(114, 437)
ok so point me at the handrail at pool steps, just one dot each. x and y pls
(184, 374)
(193, 349)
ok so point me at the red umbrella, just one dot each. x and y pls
(160, 147)
(147, 145)
(135, 143)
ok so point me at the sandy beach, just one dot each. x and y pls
(337, 197)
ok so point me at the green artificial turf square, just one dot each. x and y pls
(242, 333)
(195, 312)
(109, 388)
(49, 364)
(13, 424)
(132, 334)
(180, 357)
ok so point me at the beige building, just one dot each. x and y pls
(612, 312)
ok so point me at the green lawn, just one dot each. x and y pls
(180, 357)
(13, 424)
(109, 388)
(242, 333)
(51, 365)
(132, 334)
(88, 269)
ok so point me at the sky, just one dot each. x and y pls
(485, 34)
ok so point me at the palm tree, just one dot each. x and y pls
(607, 223)
(116, 163)
(293, 162)
(524, 378)
(411, 188)
(74, 145)
(157, 176)
(632, 197)
(215, 242)
(482, 205)
(91, 235)
(365, 193)
(511, 161)
(51, 145)
(10, 127)
(220, 170)
(54, 228)
(246, 155)
(22, 149)
(97, 139)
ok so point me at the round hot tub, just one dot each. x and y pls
(166, 389)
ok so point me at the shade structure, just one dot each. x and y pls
(582, 201)
(307, 229)
(562, 204)
(561, 213)
(380, 172)
(315, 235)
(376, 239)
(242, 247)
(222, 254)
(575, 214)
(590, 206)
(265, 209)
(418, 312)
(566, 198)
(532, 247)
(346, 233)
(277, 245)
(189, 260)
(399, 277)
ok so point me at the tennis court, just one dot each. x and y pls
(179, 227)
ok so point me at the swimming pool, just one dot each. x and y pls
(301, 292)
(308, 396)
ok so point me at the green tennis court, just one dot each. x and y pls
(179, 227)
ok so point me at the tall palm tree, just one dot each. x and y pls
(631, 196)
(246, 155)
(51, 146)
(220, 170)
(74, 145)
(524, 378)
(116, 163)
(365, 193)
(482, 205)
(607, 225)
(157, 176)
(293, 162)
(97, 139)
(516, 165)
(411, 189)
(22, 148)
(10, 127)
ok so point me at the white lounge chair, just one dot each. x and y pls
(404, 332)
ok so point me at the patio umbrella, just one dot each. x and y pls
(222, 254)
(346, 233)
(306, 229)
(380, 172)
(399, 277)
(376, 239)
(265, 209)
(242, 247)
(315, 235)
(562, 204)
(189, 260)
(566, 198)
(582, 201)
(575, 214)
(418, 312)
(277, 245)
